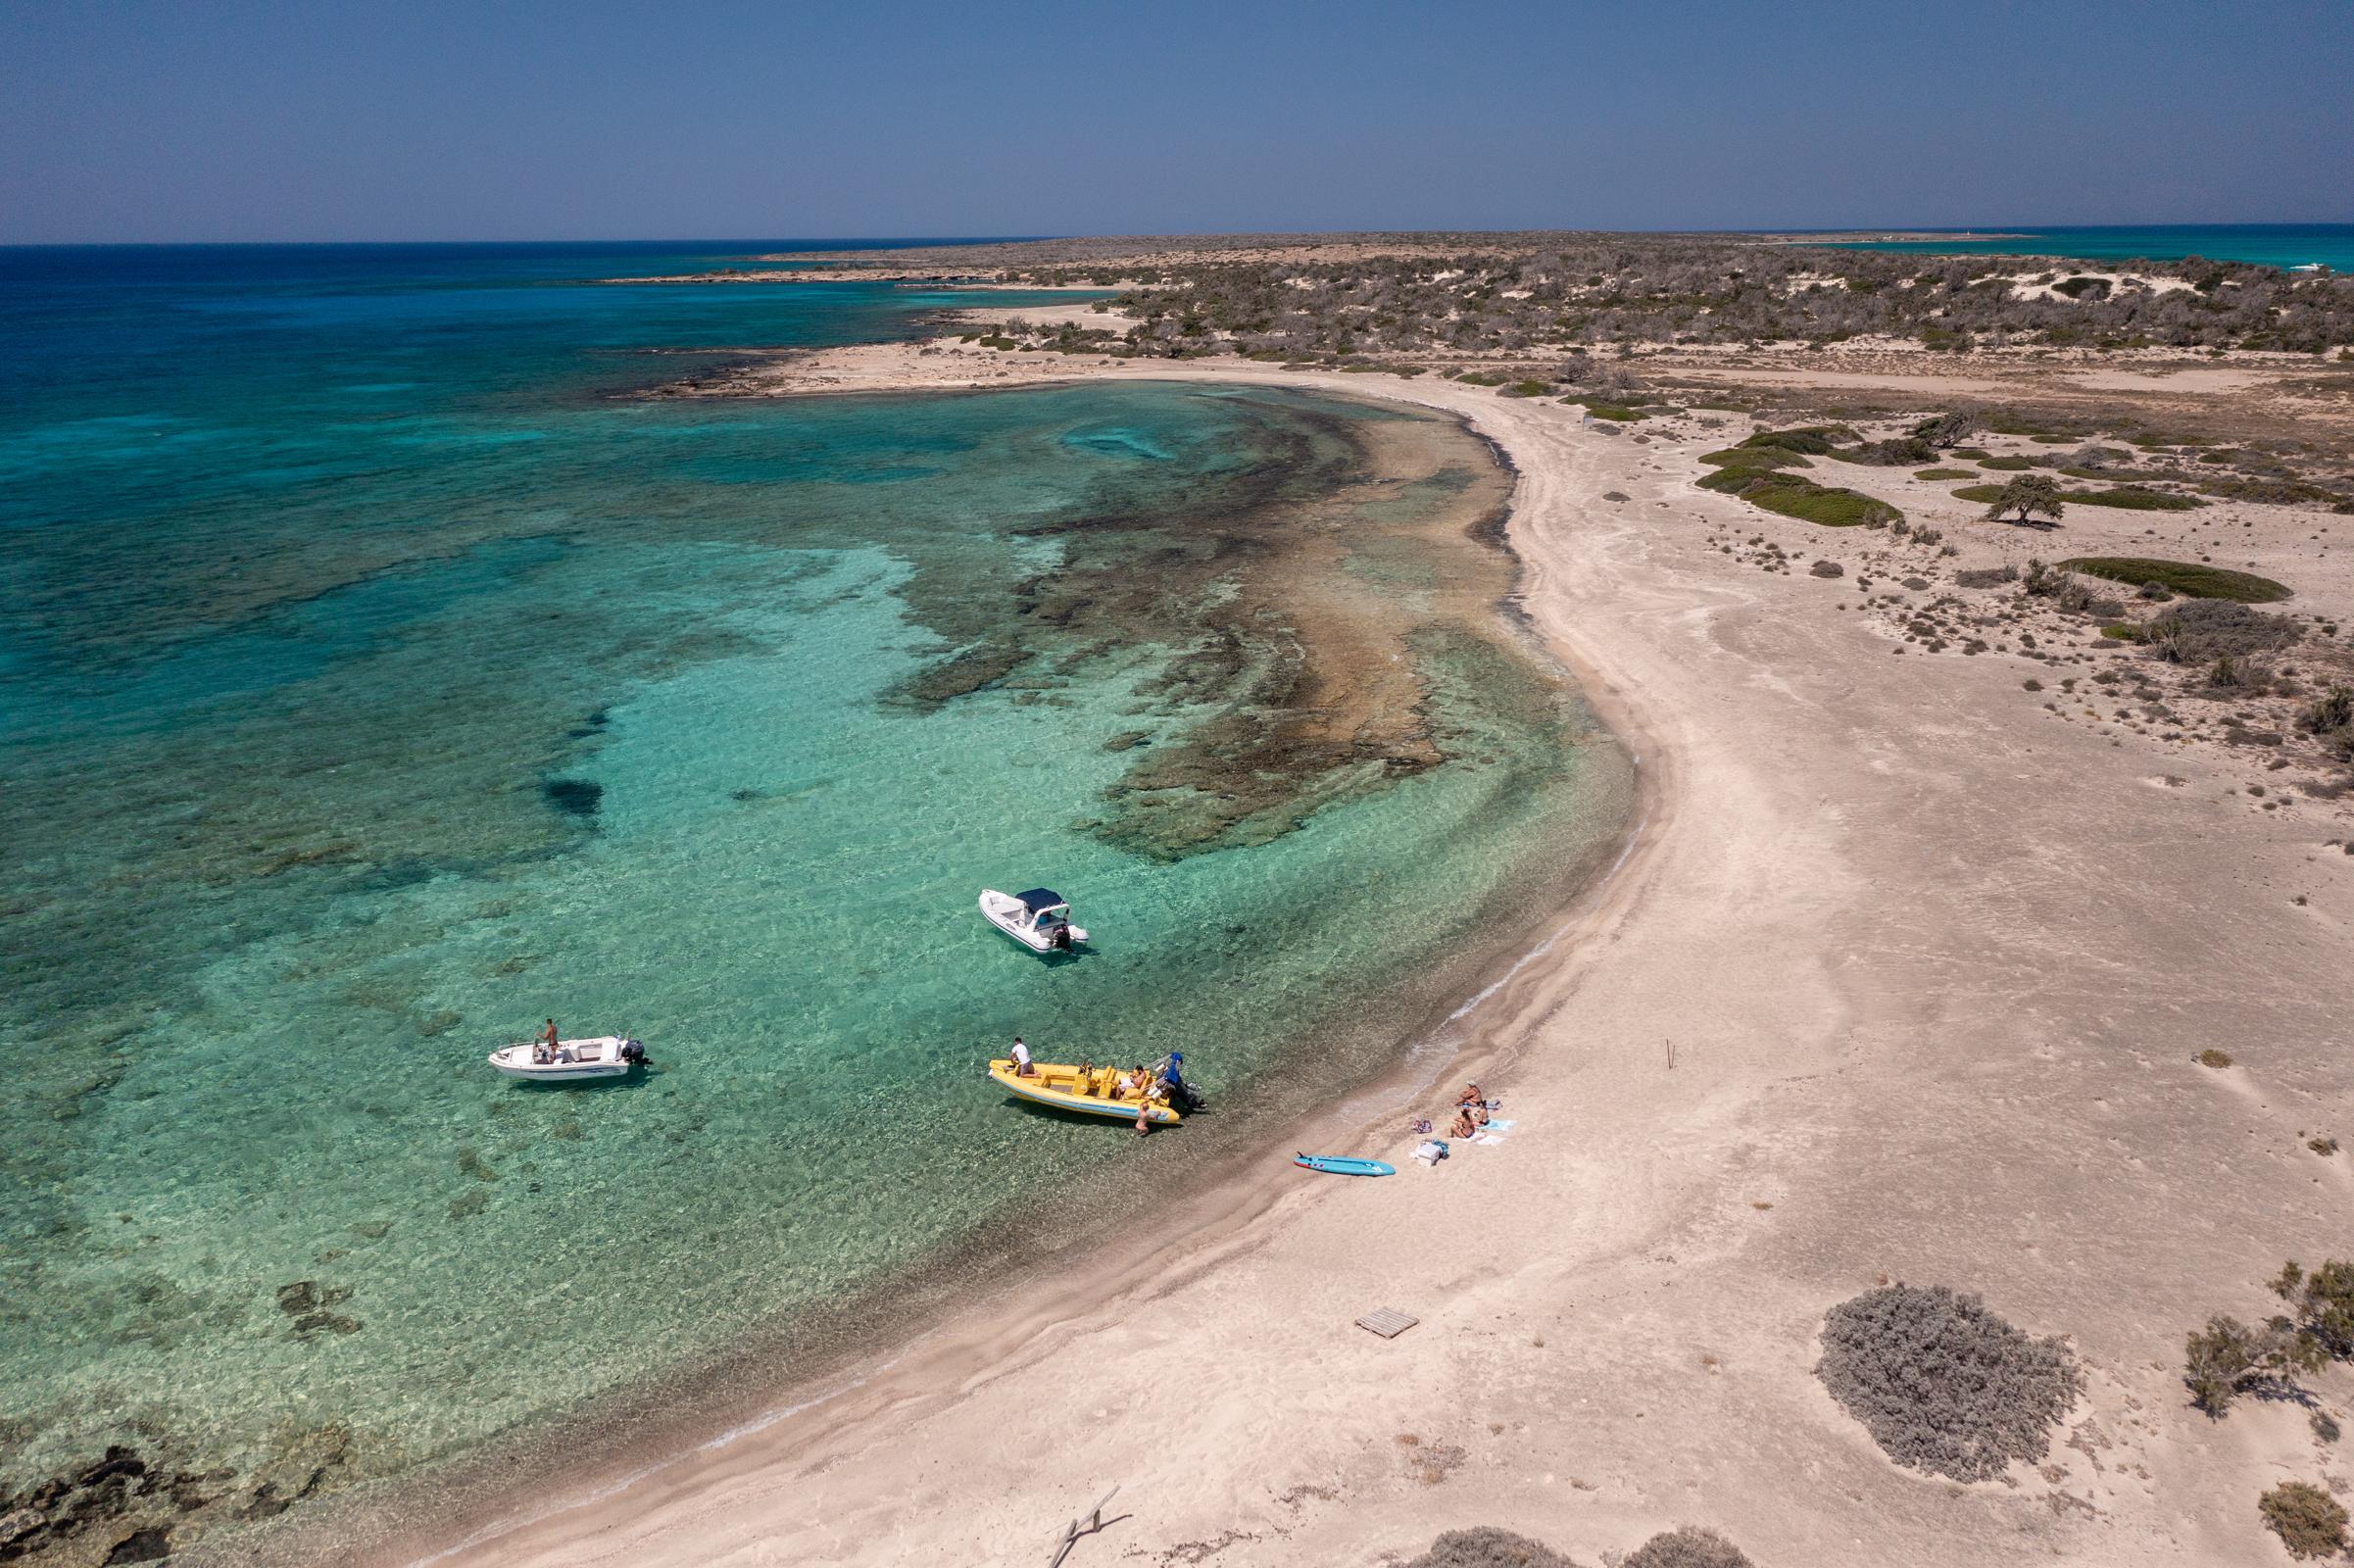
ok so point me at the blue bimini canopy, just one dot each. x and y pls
(1042, 899)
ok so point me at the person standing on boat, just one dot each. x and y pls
(546, 1043)
(1022, 1059)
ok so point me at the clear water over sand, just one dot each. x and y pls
(374, 681)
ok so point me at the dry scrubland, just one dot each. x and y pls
(1383, 299)
(1912, 1131)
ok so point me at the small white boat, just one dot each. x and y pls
(1039, 919)
(603, 1056)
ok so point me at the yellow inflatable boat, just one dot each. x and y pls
(1090, 1091)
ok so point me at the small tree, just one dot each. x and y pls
(2030, 496)
(2322, 1302)
(2228, 1358)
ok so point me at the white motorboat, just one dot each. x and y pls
(1039, 919)
(601, 1056)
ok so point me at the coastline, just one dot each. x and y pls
(1654, 1189)
(814, 1360)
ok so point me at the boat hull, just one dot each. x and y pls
(1062, 1088)
(1008, 914)
(600, 1057)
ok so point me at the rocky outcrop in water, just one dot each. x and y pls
(130, 1507)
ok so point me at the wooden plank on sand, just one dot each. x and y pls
(1388, 1322)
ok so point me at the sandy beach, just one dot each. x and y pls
(1901, 976)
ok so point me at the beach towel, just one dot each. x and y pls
(1497, 1124)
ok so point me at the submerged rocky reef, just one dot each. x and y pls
(1287, 624)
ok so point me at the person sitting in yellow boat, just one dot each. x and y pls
(1127, 1084)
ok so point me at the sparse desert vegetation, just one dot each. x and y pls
(1330, 297)
(1486, 1547)
(1689, 1546)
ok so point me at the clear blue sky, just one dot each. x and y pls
(240, 120)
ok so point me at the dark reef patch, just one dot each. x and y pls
(574, 797)
(1279, 616)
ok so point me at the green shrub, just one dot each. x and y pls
(1816, 440)
(1982, 494)
(1527, 389)
(2188, 578)
(1601, 410)
(1748, 456)
(1942, 1384)
(1943, 474)
(2135, 499)
(2006, 464)
(2308, 1520)
(1480, 378)
(1786, 495)
(1901, 453)
(1827, 506)
(999, 341)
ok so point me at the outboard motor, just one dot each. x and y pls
(1182, 1099)
(633, 1054)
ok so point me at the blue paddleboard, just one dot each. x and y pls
(1335, 1166)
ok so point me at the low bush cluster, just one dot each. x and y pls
(2203, 630)
(1486, 1547)
(1688, 1547)
(1789, 496)
(1942, 1384)
(2188, 578)
(2308, 1520)
(2133, 497)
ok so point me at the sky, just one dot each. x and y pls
(416, 120)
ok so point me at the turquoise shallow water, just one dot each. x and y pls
(376, 680)
(2330, 245)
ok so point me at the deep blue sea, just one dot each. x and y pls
(2330, 245)
(381, 675)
